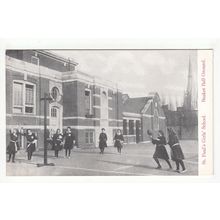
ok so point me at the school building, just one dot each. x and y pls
(81, 101)
(142, 114)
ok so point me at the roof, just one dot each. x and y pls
(51, 54)
(135, 105)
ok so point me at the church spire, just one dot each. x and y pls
(188, 94)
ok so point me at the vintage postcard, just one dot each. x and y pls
(108, 112)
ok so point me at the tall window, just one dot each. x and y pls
(29, 98)
(125, 130)
(87, 102)
(53, 112)
(131, 127)
(18, 97)
(23, 97)
(89, 136)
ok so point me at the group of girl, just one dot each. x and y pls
(59, 141)
(13, 146)
(67, 141)
(160, 151)
(118, 141)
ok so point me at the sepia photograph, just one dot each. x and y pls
(109, 110)
(103, 112)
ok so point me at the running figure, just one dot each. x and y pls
(176, 151)
(160, 151)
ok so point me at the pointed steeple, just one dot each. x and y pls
(189, 85)
(188, 93)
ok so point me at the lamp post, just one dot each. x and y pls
(45, 99)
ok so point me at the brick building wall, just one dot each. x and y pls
(75, 90)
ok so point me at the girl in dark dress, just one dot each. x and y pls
(31, 143)
(118, 140)
(13, 146)
(69, 142)
(57, 142)
(160, 151)
(176, 151)
(102, 141)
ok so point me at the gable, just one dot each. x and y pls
(135, 105)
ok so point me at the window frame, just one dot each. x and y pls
(88, 136)
(24, 105)
(125, 128)
(131, 130)
(53, 112)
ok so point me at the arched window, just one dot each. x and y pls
(53, 112)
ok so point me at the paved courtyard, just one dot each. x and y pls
(135, 159)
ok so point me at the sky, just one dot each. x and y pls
(139, 72)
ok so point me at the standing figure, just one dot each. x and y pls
(69, 142)
(13, 146)
(118, 140)
(102, 141)
(176, 151)
(160, 151)
(49, 137)
(57, 142)
(31, 143)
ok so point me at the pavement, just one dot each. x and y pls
(135, 160)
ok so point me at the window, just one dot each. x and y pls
(23, 97)
(53, 112)
(89, 136)
(18, 97)
(131, 127)
(55, 93)
(87, 102)
(35, 60)
(125, 124)
(29, 98)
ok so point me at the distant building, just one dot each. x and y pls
(191, 94)
(142, 114)
(185, 119)
(184, 122)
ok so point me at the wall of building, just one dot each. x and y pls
(44, 60)
(73, 102)
(74, 112)
(184, 122)
(33, 121)
(146, 124)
